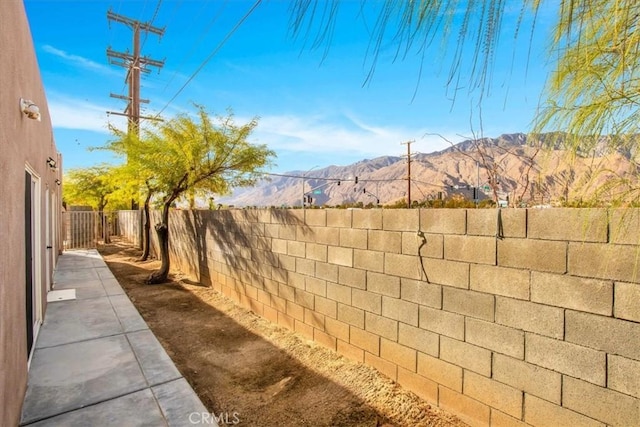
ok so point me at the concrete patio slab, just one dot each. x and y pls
(78, 320)
(114, 412)
(75, 375)
(97, 363)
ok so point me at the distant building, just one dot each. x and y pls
(30, 206)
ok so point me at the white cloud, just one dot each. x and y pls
(70, 113)
(348, 134)
(79, 60)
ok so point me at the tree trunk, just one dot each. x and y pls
(146, 237)
(162, 230)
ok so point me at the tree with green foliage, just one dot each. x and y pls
(181, 156)
(92, 186)
(593, 90)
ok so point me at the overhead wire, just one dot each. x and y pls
(213, 53)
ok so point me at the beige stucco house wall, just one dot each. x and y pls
(30, 199)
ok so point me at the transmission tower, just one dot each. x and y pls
(135, 64)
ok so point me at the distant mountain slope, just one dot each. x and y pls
(511, 165)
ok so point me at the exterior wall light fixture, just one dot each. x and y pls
(30, 109)
(52, 163)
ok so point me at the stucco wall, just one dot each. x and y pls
(24, 142)
(540, 325)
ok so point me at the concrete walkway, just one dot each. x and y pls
(97, 363)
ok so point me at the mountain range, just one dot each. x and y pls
(517, 167)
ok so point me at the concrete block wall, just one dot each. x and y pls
(511, 317)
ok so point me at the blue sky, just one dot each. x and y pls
(314, 109)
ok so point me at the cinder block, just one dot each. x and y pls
(382, 326)
(482, 222)
(351, 315)
(582, 225)
(350, 351)
(400, 219)
(443, 221)
(296, 280)
(440, 371)
(530, 378)
(539, 255)
(339, 293)
(328, 272)
(370, 219)
(600, 403)
(419, 339)
(353, 238)
(509, 282)
(476, 249)
(500, 339)
(398, 354)
(366, 300)
(286, 292)
(497, 395)
(442, 322)
(271, 314)
(468, 303)
(402, 266)
(295, 310)
(605, 261)
(500, 419)
(305, 299)
(286, 262)
(365, 340)
(608, 334)
(577, 361)
(624, 226)
(319, 235)
(627, 301)
(286, 232)
(467, 355)
(315, 217)
(326, 306)
(397, 309)
(286, 321)
(316, 286)
(338, 218)
(422, 387)
(469, 410)
(316, 252)
(561, 290)
(340, 256)
(271, 230)
(314, 319)
(324, 339)
(429, 245)
(444, 272)
(383, 366)
(538, 412)
(352, 277)
(421, 292)
(336, 328)
(624, 375)
(279, 246)
(532, 317)
(368, 260)
(296, 249)
(385, 241)
(303, 328)
(280, 304)
(306, 266)
(383, 284)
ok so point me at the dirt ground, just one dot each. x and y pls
(254, 373)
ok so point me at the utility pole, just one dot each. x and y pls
(135, 64)
(408, 143)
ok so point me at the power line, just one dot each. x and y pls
(215, 51)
